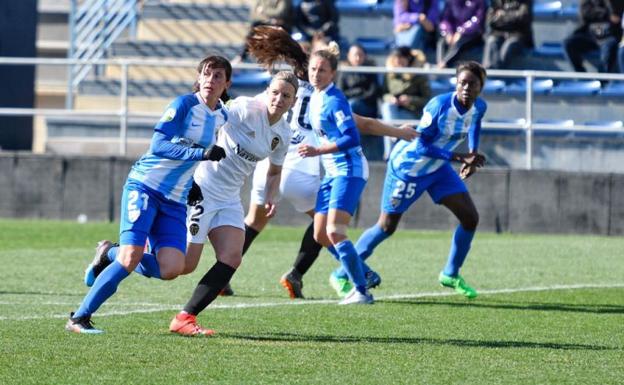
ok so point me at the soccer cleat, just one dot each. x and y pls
(82, 325)
(342, 285)
(226, 291)
(356, 298)
(185, 324)
(458, 284)
(99, 263)
(372, 279)
(293, 284)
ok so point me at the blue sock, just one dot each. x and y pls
(112, 253)
(352, 264)
(148, 267)
(365, 246)
(103, 288)
(459, 249)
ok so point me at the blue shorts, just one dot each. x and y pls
(341, 192)
(147, 213)
(400, 193)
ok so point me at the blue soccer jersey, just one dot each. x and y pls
(330, 117)
(185, 130)
(442, 129)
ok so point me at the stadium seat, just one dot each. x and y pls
(355, 6)
(439, 86)
(547, 9)
(251, 78)
(374, 45)
(492, 86)
(385, 8)
(557, 127)
(613, 89)
(609, 124)
(570, 11)
(540, 86)
(511, 126)
(550, 49)
(577, 88)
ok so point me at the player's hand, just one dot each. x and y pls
(408, 132)
(215, 153)
(306, 151)
(195, 195)
(466, 170)
(271, 209)
(471, 159)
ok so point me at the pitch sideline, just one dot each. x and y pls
(152, 308)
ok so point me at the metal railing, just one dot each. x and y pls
(93, 26)
(123, 114)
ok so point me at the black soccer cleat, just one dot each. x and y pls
(99, 263)
(81, 325)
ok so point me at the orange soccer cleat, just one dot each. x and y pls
(186, 325)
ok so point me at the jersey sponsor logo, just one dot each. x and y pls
(168, 115)
(245, 154)
(426, 119)
(296, 138)
(341, 117)
(274, 142)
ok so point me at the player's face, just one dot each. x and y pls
(212, 83)
(320, 72)
(468, 88)
(281, 97)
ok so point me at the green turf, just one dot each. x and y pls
(551, 311)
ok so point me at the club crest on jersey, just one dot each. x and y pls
(426, 119)
(341, 117)
(395, 202)
(194, 228)
(168, 115)
(274, 143)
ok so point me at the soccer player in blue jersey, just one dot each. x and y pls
(153, 203)
(425, 165)
(346, 168)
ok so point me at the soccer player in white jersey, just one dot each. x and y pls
(154, 196)
(300, 180)
(256, 129)
(425, 165)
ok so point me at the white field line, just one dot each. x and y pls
(152, 307)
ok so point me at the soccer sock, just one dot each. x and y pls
(209, 287)
(250, 235)
(308, 252)
(148, 267)
(103, 288)
(365, 245)
(352, 264)
(459, 249)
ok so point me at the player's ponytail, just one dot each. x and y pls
(271, 44)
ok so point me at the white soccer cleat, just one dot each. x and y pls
(356, 298)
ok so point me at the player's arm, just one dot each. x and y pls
(370, 126)
(340, 114)
(466, 169)
(274, 175)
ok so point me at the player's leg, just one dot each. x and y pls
(255, 221)
(228, 245)
(451, 192)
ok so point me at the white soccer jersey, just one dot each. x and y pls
(301, 133)
(247, 138)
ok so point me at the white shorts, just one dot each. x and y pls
(299, 188)
(207, 215)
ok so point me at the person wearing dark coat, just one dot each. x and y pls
(510, 32)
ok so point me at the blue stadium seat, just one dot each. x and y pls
(251, 78)
(577, 88)
(492, 86)
(385, 8)
(440, 86)
(547, 9)
(609, 124)
(512, 126)
(355, 6)
(615, 89)
(540, 86)
(561, 127)
(570, 11)
(550, 49)
(374, 45)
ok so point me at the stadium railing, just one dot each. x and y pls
(527, 123)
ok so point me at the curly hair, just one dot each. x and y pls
(270, 44)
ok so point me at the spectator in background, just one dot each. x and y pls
(362, 91)
(600, 28)
(405, 94)
(415, 22)
(510, 33)
(277, 13)
(317, 19)
(461, 29)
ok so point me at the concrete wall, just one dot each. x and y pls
(44, 186)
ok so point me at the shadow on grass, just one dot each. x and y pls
(562, 307)
(41, 293)
(289, 337)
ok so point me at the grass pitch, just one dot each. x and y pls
(550, 311)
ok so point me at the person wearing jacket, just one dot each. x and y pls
(510, 33)
(461, 28)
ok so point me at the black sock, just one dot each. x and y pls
(308, 252)
(209, 287)
(250, 235)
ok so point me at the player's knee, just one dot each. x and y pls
(336, 232)
(388, 226)
(169, 272)
(231, 258)
(470, 221)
